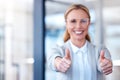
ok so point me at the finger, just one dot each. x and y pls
(61, 68)
(109, 65)
(107, 69)
(104, 62)
(65, 65)
(67, 61)
(102, 55)
(108, 72)
(67, 54)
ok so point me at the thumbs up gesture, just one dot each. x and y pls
(63, 64)
(105, 64)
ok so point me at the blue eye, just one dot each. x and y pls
(83, 21)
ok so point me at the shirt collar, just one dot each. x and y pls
(75, 49)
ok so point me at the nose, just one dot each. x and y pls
(78, 24)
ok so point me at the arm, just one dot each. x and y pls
(55, 52)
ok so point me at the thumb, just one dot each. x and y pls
(67, 54)
(102, 57)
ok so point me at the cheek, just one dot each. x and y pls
(86, 29)
(69, 28)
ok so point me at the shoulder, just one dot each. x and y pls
(60, 48)
(91, 45)
(97, 47)
(63, 46)
(100, 47)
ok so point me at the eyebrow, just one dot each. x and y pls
(76, 18)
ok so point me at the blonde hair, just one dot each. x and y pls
(73, 7)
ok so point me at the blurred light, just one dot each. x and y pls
(30, 60)
(55, 20)
(89, 0)
(116, 63)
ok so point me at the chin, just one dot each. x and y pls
(79, 38)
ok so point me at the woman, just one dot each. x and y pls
(78, 59)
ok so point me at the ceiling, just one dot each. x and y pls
(110, 8)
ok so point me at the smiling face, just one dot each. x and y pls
(77, 24)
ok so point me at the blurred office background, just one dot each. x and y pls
(17, 38)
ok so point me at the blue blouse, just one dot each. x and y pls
(85, 61)
(81, 70)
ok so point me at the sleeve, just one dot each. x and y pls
(56, 51)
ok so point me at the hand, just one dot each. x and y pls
(105, 64)
(63, 64)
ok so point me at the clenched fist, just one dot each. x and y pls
(105, 64)
(62, 64)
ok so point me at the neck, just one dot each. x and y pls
(78, 43)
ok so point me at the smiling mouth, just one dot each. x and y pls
(78, 32)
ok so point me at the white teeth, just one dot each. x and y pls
(78, 32)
